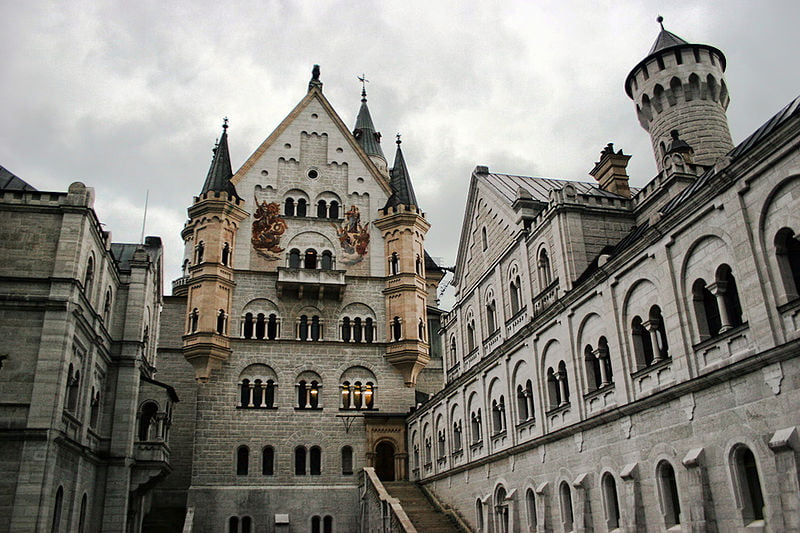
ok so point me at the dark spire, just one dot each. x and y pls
(220, 173)
(665, 38)
(402, 190)
(364, 132)
(315, 79)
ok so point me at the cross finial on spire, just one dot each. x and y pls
(363, 79)
(398, 141)
(660, 20)
(225, 123)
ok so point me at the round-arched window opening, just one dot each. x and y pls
(312, 173)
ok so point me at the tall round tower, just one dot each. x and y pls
(681, 86)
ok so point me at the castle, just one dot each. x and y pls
(616, 359)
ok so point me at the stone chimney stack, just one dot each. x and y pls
(611, 171)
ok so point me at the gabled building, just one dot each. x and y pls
(299, 330)
(623, 359)
(84, 423)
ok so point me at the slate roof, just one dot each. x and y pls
(431, 265)
(399, 179)
(539, 188)
(9, 181)
(364, 131)
(220, 173)
(665, 39)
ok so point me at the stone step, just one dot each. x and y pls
(419, 509)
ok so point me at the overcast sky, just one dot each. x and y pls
(129, 96)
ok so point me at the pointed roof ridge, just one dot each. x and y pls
(364, 131)
(10, 181)
(220, 173)
(400, 180)
(665, 39)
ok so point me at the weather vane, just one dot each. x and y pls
(363, 79)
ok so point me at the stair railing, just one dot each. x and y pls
(380, 512)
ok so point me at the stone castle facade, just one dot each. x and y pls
(617, 359)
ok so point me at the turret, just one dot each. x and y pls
(681, 86)
(210, 241)
(365, 134)
(403, 227)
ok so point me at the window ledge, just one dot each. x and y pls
(651, 367)
(599, 391)
(790, 305)
(476, 445)
(526, 423)
(720, 336)
(308, 408)
(256, 408)
(457, 453)
(558, 410)
(357, 409)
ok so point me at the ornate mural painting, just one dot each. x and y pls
(268, 226)
(353, 237)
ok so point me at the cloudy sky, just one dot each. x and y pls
(129, 96)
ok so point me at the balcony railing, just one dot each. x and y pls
(454, 371)
(492, 342)
(517, 321)
(545, 298)
(313, 283)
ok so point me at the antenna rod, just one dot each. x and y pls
(144, 217)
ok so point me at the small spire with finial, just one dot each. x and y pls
(363, 79)
(398, 141)
(225, 123)
(660, 20)
(315, 79)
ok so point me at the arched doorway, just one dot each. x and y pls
(384, 461)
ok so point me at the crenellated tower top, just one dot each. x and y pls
(681, 86)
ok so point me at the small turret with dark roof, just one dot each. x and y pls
(220, 173)
(365, 134)
(399, 179)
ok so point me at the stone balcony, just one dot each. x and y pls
(151, 463)
(311, 283)
(545, 298)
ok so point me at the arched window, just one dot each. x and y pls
(747, 484)
(301, 207)
(731, 317)
(421, 330)
(107, 309)
(200, 252)
(787, 251)
(233, 524)
(369, 330)
(565, 497)
(530, 508)
(658, 335)
(397, 330)
(300, 461)
(147, 421)
(346, 329)
(347, 461)
(221, 320)
(668, 493)
(563, 380)
(302, 328)
(310, 259)
(247, 329)
(56, 525)
(294, 258)
(515, 291)
(498, 415)
(484, 239)
(642, 343)
(315, 524)
(315, 460)
(545, 273)
(94, 416)
(333, 212)
(610, 501)
(491, 316)
(502, 518)
(226, 253)
(327, 260)
(268, 461)
(457, 440)
(242, 460)
(553, 392)
(441, 444)
(288, 209)
(322, 209)
(316, 328)
(470, 335)
(453, 350)
(73, 387)
(82, 515)
(394, 264)
(327, 524)
(272, 327)
(358, 330)
(706, 310)
(475, 423)
(194, 317)
(261, 326)
(479, 514)
(89, 277)
(185, 268)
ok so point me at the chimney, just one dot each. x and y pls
(610, 171)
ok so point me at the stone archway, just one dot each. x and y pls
(384, 461)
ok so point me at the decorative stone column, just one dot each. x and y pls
(652, 328)
(718, 290)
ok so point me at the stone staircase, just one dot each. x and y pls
(422, 513)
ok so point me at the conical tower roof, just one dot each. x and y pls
(365, 133)
(665, 39)
(220, 173)
(399, 179)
